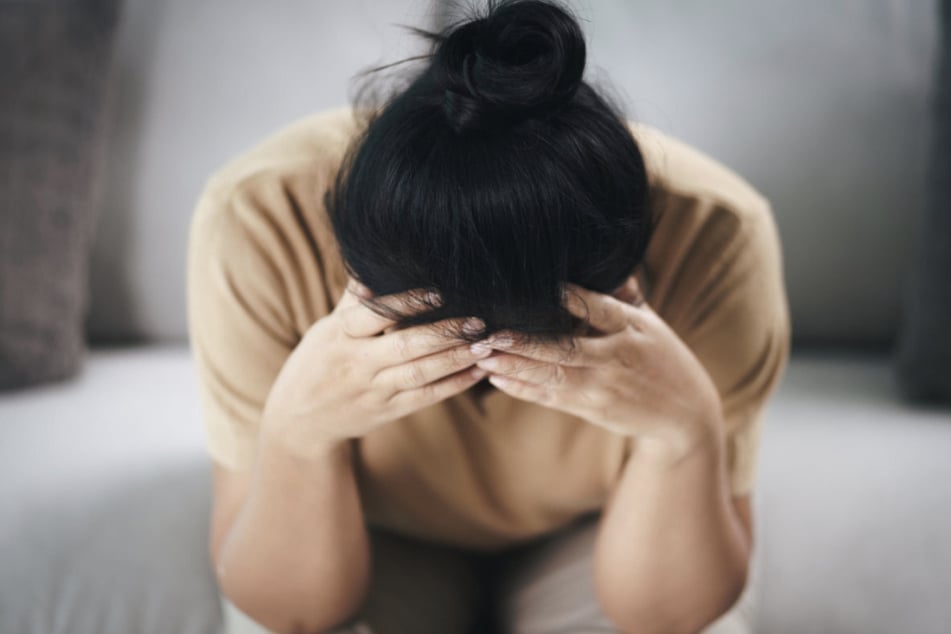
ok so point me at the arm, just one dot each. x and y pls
(296, 555)
(673, 545)
(674, 542)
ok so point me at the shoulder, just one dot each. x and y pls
(714, 235)
(708, 219)
(291, 164)
(261, 220)
(681, 171)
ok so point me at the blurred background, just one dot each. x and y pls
(114, 113)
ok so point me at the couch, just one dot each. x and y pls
(105, 486)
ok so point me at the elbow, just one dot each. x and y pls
(278, 620)
(283, 613)
(674, 612)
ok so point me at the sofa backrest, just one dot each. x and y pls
(824, 108)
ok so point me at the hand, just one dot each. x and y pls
(634, 377)
(353, 372)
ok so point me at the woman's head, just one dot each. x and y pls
(494, 176)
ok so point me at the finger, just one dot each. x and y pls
(523, 390)
(586, 351)
(432, 393)
(350, 295)
(359, 320)
(358, 289)
(402, 346)
(607, 314)
(630, 292)
(530, 370)
(425, 370)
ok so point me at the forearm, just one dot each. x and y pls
(297, 555)
(671, 553)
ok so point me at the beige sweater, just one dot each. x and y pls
(263, 266)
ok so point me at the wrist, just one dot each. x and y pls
(278, 446)
(705, 437)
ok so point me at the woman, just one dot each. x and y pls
(485, 356)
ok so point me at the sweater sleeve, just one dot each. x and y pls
(240, 330)
(737, 323)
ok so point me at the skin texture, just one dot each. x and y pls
(288, 540)
(632, 369)
(352, 373)
(673, 546)
(534, 375)
(672, 497)
(633, 376)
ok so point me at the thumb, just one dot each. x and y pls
(352, 294)
(630, 292)
(358, 289)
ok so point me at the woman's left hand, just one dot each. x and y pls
(636, 377)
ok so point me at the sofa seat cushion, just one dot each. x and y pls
(104, 501)
(105, 494)
(853, 502)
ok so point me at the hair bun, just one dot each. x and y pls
(524, 58)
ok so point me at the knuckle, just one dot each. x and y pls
(572, 351)
(429, 393)
(402, 346)
(596, 400)
(632, 329)
(344, 325)
(569, 352)
(346, 369)
(414, 375)
(624, 358)
(460, 355)
(546, 396)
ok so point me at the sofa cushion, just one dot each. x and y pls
(823, 111)
(832, 132)
(198, 83)
(54, 75)
(853, 505)
(924, 350)
(105, 494)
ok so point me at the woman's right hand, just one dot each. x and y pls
(353, 372)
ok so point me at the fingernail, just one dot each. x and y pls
(499, 381)
(434, 298)
(489, 364)
(500, 341)
(473, 325)
(480, 348)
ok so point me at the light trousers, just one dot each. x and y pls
(542, 587)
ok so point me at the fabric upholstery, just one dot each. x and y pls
(824, 111)
(54, 82)
(105, 502)
(924, 351)
(105, 493)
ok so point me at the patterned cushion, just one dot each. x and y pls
(54, 75)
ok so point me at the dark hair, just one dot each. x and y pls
(493, 177)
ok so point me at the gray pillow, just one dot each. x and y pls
(923, 354)
(54, 59)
